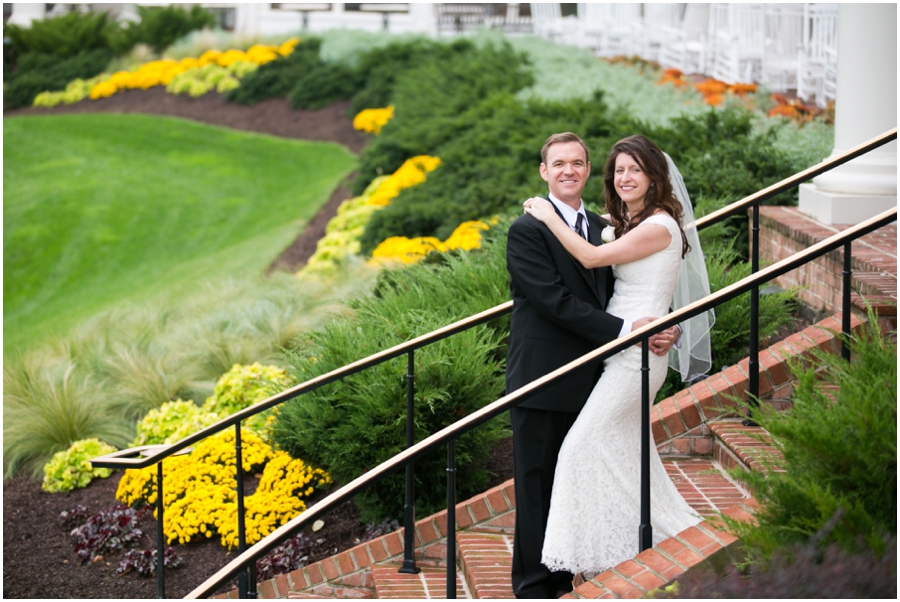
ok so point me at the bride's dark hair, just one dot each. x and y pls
(659, 196)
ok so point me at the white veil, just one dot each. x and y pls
(692, 357)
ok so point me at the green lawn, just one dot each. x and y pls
(102, 209)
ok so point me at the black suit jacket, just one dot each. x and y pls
(558, 314)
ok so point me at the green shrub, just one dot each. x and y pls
(798, 571)
(839, 446)
(351, 426)
(489, 160)
(720, 155)
(72, 469)
(323, 85)
(160, 26)
(44, 72)
(64, 36)
(277, 78)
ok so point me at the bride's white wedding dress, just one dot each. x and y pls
(595, 505)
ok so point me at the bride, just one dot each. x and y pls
(658, 264)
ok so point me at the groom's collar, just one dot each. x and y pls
(567, 213)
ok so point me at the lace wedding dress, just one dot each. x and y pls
(595, 505)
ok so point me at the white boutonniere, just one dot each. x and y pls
(608, 234)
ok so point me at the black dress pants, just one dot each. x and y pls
(537, 438)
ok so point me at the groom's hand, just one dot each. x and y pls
(661, 342)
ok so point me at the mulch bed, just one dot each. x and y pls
(38, 556)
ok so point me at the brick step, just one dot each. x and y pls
(429, 582)
(737, 445)
(485, 563)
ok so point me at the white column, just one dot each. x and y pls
(23, 14)
(423, 18)
(865, 106)
(246, 19)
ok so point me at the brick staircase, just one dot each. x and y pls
(700, 437)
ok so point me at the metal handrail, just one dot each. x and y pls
(132, 458)
(506, 402)
(125, 459)
(121, 459)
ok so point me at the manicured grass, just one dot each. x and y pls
(102, 209)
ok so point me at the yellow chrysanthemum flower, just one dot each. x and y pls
(372, 120)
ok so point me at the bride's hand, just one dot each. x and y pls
(539, 208)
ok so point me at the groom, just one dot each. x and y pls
(558, 316)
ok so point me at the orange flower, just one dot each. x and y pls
(713, 99)
(711, 86)
(741, 89)
(784, 110)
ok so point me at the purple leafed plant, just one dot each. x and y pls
(107, 531)
(289, 556)
(144, 562)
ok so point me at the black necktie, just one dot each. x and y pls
(578, 222)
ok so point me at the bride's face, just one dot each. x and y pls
(631, 181)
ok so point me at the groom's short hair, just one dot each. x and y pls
(564, 137)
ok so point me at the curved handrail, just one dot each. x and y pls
(129, 458)
(506, 402)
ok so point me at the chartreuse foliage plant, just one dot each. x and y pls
(72, 469)
(839, 447)
(171, 422)
(89, 223)
(199, 492)
(240, 387)
(353, 425)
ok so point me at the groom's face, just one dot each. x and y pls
(566, 172)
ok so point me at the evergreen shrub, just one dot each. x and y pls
(351, 426)
(839, 448)
(323, 85)
(720, 155)
(798, 571)
(62, 37)
(277, 78)
(160, 26)
(39, 72)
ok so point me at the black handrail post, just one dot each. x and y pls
(845, 309)
(451, 519)
(753, 366)
(242, 540)
(160, 536)
(645, 531)
(409, 507)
